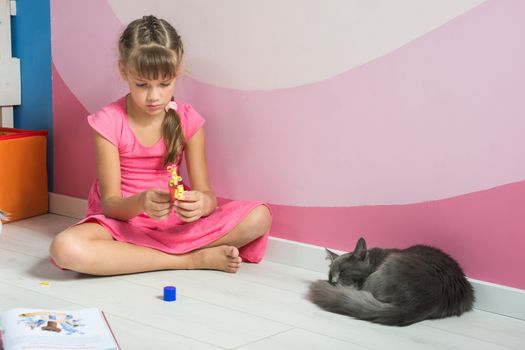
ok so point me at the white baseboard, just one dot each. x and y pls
(67, 206)
(490, 297)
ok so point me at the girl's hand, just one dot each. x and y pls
(191, 207)
(156, 203)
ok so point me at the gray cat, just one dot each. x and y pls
(392, 286)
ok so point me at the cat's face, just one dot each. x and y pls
(350, 269)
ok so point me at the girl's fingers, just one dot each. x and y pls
(162, 206)
(187, 205)
(188, 216)
(161, 200)
(190, 219)
(160, 212)
(157, 207)
(160, 203)
(159, 215)
(188, 209)
(187, 213)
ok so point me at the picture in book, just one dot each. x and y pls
(53, 329)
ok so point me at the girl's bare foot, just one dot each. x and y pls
(224, 258)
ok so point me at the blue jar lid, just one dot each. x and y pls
(170, 293)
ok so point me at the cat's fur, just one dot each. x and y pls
(393, 287)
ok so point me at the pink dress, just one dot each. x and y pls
(141, 169)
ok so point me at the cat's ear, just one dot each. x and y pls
(360, 250)
(330, 255)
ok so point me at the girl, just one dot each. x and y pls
(132, 224)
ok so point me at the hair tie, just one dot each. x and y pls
(171, 105)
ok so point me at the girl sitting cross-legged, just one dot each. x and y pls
(133, 224)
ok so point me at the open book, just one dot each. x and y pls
(85, 329)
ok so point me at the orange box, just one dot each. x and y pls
(23, 172)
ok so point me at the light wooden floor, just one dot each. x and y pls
(261, 307)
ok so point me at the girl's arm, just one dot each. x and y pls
(155, 202)
(201, 200)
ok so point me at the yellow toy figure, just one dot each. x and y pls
(174, 184)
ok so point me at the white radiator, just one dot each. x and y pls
(10, 90)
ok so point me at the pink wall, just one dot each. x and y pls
(421, 144)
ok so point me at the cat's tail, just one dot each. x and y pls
(360, 304)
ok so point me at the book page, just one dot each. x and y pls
(53, 329)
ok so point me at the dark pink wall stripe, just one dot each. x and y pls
(73, 142)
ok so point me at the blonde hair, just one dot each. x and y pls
(152, 48)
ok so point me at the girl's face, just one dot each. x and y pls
(150, 96)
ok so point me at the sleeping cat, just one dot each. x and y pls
(393, 287)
